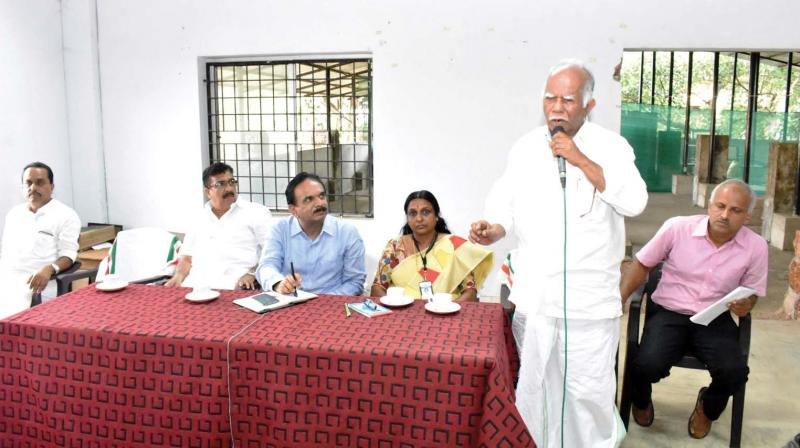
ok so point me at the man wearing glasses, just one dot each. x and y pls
(223, 249)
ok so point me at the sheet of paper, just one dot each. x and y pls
(707, 315)
(302, 296)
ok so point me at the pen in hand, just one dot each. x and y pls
(291, 265)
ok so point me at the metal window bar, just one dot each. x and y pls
(713, 124)
(271, 120)
(671, 79)
(752, 106)
(733, 91)
(653, 81)
(685, 157)
(788, 95)
(641, 76)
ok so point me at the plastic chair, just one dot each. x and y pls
(688, 361)
(146, 255)
(64, 281)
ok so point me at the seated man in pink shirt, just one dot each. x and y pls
(705, 258)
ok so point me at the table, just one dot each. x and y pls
(144, 367)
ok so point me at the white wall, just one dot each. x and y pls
(455, 82)
(33, 119)
(81, 72)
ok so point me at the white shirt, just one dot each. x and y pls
(34, 240)
(528, 200)
(224, 249)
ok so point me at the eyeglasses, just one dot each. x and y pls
(370, 305)
(221, 183)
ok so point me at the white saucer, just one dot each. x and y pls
(202, 297)
(110, 286)
(397, 301)
(449, 308)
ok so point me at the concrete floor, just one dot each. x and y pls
(771, 416)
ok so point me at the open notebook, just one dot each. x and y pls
(268, 300)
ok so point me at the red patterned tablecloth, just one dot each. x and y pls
(143, 367)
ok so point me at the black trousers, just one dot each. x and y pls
(669, 335)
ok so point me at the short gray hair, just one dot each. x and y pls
(587, 89)
(727, 182)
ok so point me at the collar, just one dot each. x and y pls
(701, 228)
(582, 133)
(43, 209)
(329, 226)
(701, 231)
(579, 137)
(207, 206)
(739, 237)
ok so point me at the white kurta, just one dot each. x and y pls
(30, 242)
(224, 249)
(528, 200)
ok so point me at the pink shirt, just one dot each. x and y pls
(696, 272)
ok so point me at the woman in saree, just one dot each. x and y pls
(426, 255)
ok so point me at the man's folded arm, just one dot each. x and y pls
(625, 190)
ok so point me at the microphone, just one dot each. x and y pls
(562, 164)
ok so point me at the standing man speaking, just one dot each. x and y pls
(569, 221)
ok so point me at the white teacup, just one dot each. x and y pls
(442, 299)
(201, 290)
(112, 279)
(395, 291)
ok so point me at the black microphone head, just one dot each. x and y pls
(556, 130)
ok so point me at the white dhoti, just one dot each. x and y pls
(16, 296)
(590, 417)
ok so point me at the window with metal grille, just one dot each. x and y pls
(272, 120)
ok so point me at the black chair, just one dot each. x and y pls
(505, 291)
(64, 281)
(688, 361)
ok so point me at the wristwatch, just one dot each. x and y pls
(56, 269)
